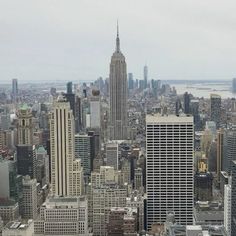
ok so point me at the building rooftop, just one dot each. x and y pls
(17, 225)
(158, 118)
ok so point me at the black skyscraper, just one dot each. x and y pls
(186, 103)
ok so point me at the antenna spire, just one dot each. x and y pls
(117, 38)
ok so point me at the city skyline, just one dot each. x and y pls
(63, 41)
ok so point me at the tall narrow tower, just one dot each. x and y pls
(62, 147)
(118, 94)
(145, 76)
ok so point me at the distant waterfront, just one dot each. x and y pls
(204, 89)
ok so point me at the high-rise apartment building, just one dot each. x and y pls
(65, 170)
(25, 125)
(169, 168)
(216, 109)
(118, 95)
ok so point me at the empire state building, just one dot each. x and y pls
(118, 95)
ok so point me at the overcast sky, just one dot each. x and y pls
(74, 39)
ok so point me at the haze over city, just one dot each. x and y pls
(62, 40)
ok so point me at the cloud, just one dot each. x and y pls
(74, 39)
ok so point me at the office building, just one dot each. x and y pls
(9, 210)
(25, 125)
(187, 103)
(231, 147)
(130, 81)
(122, 221)
(169, 167)
(95, 110)
(112, 155)
(233, 198)
(220, 152)
(118, 95)
(216, 109)
(227, 208)
(83, 151)
(138, 178)
(62, 148)
(103, 199)
(26, 160)
(145, 76)
(29, 198)
(11, 187)
(18, 228)
(14, 90)
(63, 216)
(234, 85)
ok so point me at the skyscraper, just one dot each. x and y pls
(169, 168)
(118, 94)
(233, 199)
(216, 109)
(25, 125)
(14, 89)
(145, 76)
(186, 103)
(234, 85)
(65, 170)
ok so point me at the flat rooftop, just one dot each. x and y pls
(158, 118)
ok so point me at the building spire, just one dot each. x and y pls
(117, 39)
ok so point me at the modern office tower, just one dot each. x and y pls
(106, 175)
(194, 106)
(94, 144)
(62, 147)
(125, 172)
(231, 147)
(169, 167)
(118, 95)
(14, 89)
(112, 154)
(11, 187)
(216, 109)
(83, 151)
(63, 216)
(227, 208)
(26, 160)
(18, 228)
(178, 106)
(221, 152)
(95, 110)
(42, 166)
(138, 178)
(233, 198)
(103, 199)
(122, 221)
(25, 125)
(203, 184)
(29, 199)
(234, 85)
(130, 81)
(9, 210)
(70, 96)
(187, 103)
(69, 88)
(78, 114)
(5, 121)
(136, 200)
(145, 76)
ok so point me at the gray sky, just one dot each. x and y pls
(74, 39)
